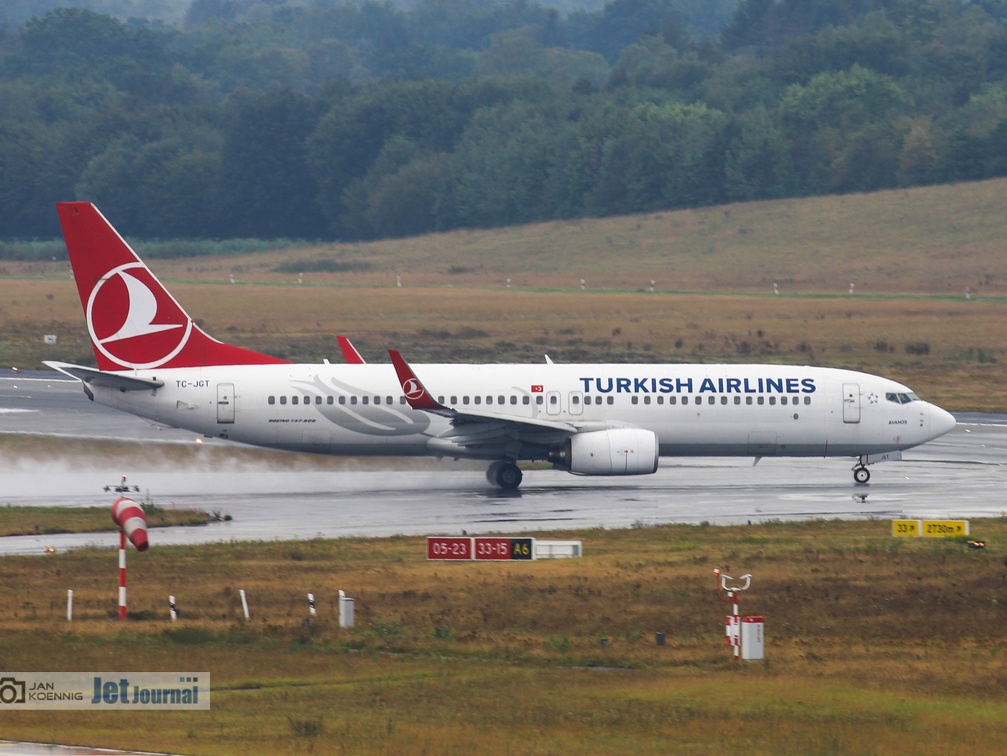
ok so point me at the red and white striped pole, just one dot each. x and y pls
(122, 574)
(132, 522)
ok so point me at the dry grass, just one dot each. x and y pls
(874, 645)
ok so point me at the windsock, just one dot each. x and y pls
(128, 515)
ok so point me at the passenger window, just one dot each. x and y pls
(553, 399)
(672, 400)
(307, 399)
(711, 399)
(685, 400)
(465, 400)
(329, 399)
(783, 400)
(271, 400)
(611, 400)
(342, 400)
(762, 400)
(723, 400)
(390, 400)
(539, 400)
(646, 400)
(283, 400)
(318, 399)
(477, 399)
(748, 400)
(454, 400)
(660, 400)
(574, 399)
(525, 400)
(353, 400)
(737, 400)
(363, 400)
(501, 400)
(489, 400)
(772, 400)
(294, 399)
(807, 400)
(635, 400)
(513, 399)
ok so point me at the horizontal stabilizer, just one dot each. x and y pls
(95, 377)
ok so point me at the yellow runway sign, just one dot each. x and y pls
(906, 528)
(945, 528)
(930, 528)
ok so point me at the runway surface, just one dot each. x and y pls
(960, 475)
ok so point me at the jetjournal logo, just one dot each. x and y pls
(150, 691)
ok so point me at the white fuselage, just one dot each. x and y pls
(695, 410)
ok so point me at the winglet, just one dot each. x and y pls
(350, 353)
(416, 393)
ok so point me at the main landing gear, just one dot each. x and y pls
(504, 474)
(860, 472)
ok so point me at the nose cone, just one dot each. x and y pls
(941, 421)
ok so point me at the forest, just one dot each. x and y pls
(359, 120)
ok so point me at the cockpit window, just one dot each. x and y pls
(902, 398)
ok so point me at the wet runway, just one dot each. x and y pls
(962, 474)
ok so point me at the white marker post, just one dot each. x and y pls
(69, 605)
(311, 604)
(346, 611)
(171, 608)
(244, 602)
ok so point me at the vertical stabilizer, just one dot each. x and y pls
(133, 321)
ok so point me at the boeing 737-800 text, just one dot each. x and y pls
(607, 419)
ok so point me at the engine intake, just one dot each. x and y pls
(620, 451)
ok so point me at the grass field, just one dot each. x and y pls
(27, 520)
(874, 644)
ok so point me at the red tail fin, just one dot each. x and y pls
(133, 321)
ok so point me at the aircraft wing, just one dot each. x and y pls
(472, 429)
(96, 377)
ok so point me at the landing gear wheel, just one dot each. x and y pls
(861, 474)
(506, 475)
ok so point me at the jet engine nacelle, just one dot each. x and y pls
(620, 451)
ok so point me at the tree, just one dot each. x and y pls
(267, 188)
(757, 163)
(510, 166)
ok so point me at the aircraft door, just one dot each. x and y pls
(851, 402)
(576, 399)
(225, 402)
(552, 402)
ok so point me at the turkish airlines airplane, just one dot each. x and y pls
(155, 362)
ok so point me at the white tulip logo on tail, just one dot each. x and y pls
(133, 321)
(412, 389)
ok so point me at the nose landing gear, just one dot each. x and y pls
(860, 472)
